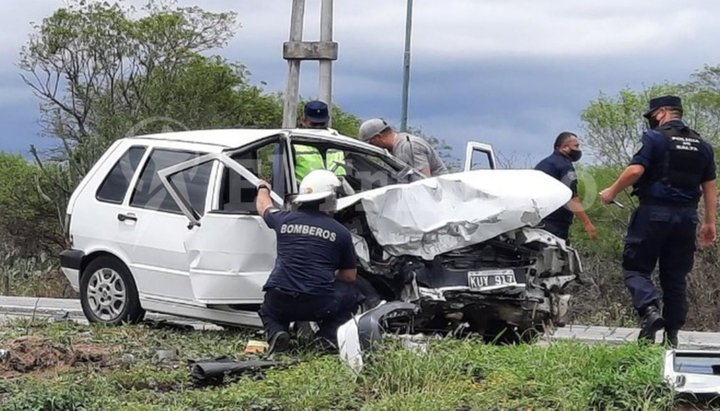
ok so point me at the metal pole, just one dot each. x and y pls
(293, 86)
(326, 35)
(406, 67)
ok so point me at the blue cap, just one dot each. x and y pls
(663, 101)
(317, 111)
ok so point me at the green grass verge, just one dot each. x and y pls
(451, 375)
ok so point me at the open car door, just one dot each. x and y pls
(479, 156)
(230, 249)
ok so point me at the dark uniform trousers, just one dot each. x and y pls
(667, 234)
(330, 311)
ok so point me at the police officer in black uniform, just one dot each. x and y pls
(671, 171)
(560, 166)
(315, 269)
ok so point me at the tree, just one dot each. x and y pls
(95, 68)
(345, 123)
(704, 103)
(441, 147)
(613, 125)
(102, 72)
(27, 220)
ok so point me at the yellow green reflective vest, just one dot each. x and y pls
(308, 158)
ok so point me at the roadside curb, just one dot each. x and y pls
(26, 306)
(46, 306)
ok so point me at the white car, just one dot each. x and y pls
(167, 223)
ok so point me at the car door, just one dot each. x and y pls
(479, 156)
(230, 250)
(151, 226)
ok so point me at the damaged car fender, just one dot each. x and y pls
(360, 333)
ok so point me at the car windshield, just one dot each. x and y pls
(361, 170)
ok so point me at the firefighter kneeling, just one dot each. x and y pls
(315, 270)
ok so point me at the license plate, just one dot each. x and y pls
(482, 280)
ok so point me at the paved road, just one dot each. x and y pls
(27, 307)
(18, 307)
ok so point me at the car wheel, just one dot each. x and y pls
(108, 294)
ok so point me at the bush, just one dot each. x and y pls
(28, 220)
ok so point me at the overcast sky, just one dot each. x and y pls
(513, 73)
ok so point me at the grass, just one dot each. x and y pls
(451, 375)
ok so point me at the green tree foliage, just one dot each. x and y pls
(614, 124)
(22, 202)
(100, 74)
(103, 71)
(345, 123)
(441, 147)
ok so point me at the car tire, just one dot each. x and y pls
(108, 294)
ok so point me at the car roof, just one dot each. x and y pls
(231, 138)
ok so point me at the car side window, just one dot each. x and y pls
(267, 162)
(117, 181)
(480, 161)
(150, 193)
(361, 170)
(192, 185)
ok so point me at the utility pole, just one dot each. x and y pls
(326, 36)
(406, 67)
(296, 50)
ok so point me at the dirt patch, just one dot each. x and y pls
(39, 357)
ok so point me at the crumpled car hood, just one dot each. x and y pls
(440, 214)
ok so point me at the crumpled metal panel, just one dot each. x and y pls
(361, 248)
(440, 214)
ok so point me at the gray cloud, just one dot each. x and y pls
(511, 72)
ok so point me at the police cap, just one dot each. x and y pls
(663, 101)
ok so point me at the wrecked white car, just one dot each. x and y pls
(167, 223)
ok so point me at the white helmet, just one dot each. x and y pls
(317, 185)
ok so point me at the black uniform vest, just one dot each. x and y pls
(682, 165)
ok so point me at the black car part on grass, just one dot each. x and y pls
(213, 372)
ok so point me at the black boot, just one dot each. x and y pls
(671, 338)
(650, 323)
(278, 342)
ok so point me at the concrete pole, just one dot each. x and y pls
(326, 35)
(293, 86)
(406, 67)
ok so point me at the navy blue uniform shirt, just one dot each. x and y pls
(310, 247)
(561, 168)
(652, 156)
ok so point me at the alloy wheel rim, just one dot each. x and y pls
(106, 294)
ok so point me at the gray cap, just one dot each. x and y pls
(372, 127)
